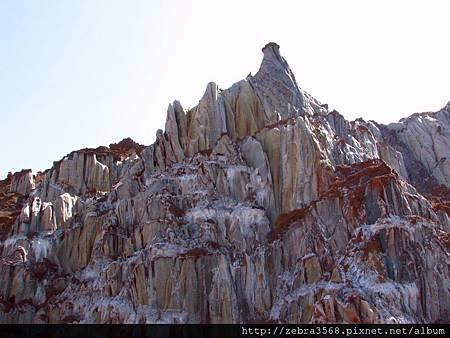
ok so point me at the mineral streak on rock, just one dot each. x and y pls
(257, 205)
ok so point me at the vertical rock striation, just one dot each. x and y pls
(259, 204)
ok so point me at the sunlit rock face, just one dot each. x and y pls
(257, 205)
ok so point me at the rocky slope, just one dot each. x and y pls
(257, 205)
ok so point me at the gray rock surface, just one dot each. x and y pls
(259, 204)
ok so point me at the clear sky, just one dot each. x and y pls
(77, 74)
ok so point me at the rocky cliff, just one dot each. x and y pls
(257, 205)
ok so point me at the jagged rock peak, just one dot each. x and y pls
(277, 88)
(272, 54)
(269, 96)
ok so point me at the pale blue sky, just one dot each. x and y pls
(77, 74)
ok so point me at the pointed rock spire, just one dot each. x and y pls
(273, 61)
(276, 85)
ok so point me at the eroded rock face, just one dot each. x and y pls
(258, 204)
